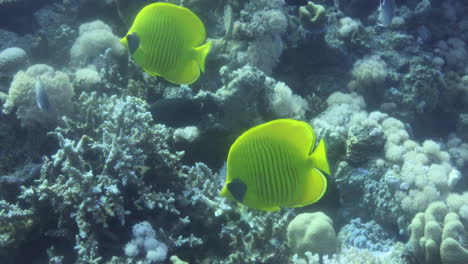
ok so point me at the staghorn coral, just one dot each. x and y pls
(97, 161)
(252, 236)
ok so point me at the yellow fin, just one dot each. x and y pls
(294, 133)
(185, 74)
(124, 42)
(270, 209)
(315, 185)
(319, 157)
(201, 53)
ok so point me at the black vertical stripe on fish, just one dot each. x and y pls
(157, 38)
(274, 170)
(163, 50)
(276, 149)
(172, 54)
(177, 45)
(257, 173)
(292, 178)
(284, 189)
(180, 44)
(288, 175)
(151, 50)
(278, 170)
(262, 169)
(168, 33)
(268, 172)
(250, 170)
(173, 34)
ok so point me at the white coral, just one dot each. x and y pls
(95, 37)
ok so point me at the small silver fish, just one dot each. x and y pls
(386, 10)
(42, 100)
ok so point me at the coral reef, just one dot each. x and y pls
(122, 167)
(94, 38)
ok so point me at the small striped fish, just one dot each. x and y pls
(275, 165)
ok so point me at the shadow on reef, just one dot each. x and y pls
(314, 75)
(19, 16)
(436, 125)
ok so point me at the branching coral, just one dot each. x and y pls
(85, 179)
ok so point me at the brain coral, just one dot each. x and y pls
(11, 60)
(312, 232)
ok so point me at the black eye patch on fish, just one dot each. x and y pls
(237, 188)
(133, 42)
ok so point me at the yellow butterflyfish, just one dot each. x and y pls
(275, 165)
(165, 41)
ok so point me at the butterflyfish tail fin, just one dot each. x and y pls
(319, 157)
(201, 53)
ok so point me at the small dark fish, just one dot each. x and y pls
(42, 99)
(296, 2)
(386, 10)
(133, 42)
(180, 112)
